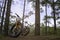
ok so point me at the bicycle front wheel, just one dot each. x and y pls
(15, 32)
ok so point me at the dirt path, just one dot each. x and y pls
(33, 38)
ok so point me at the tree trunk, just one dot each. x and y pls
(37, 18)
(0, 18)
(3, 16)
(7, 17)
(46, 16)
(23, 13)
(54, 17)
(0, 9)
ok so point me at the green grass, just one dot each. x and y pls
(43, 32)
(1, 36)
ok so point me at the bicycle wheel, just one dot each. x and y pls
(14, 32)
(26, 31)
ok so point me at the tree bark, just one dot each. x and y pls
(54, 17)
(46, 17)
(7, 17)
(3, 16)
(23, 13)
(37, 18)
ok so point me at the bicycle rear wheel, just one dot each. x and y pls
(26, 31)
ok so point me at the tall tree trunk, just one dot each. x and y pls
(3, 15)
(0, 16)
(7, 17)
(54, 17)
(0, 12)
(37, 17)
(46, 16)
(0, 9)
(23, 14)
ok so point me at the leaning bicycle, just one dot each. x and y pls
(16, 29)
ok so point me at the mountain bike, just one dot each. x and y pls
(16, 29)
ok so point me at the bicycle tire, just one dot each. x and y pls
(15, 36)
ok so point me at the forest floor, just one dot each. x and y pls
(33, 38)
